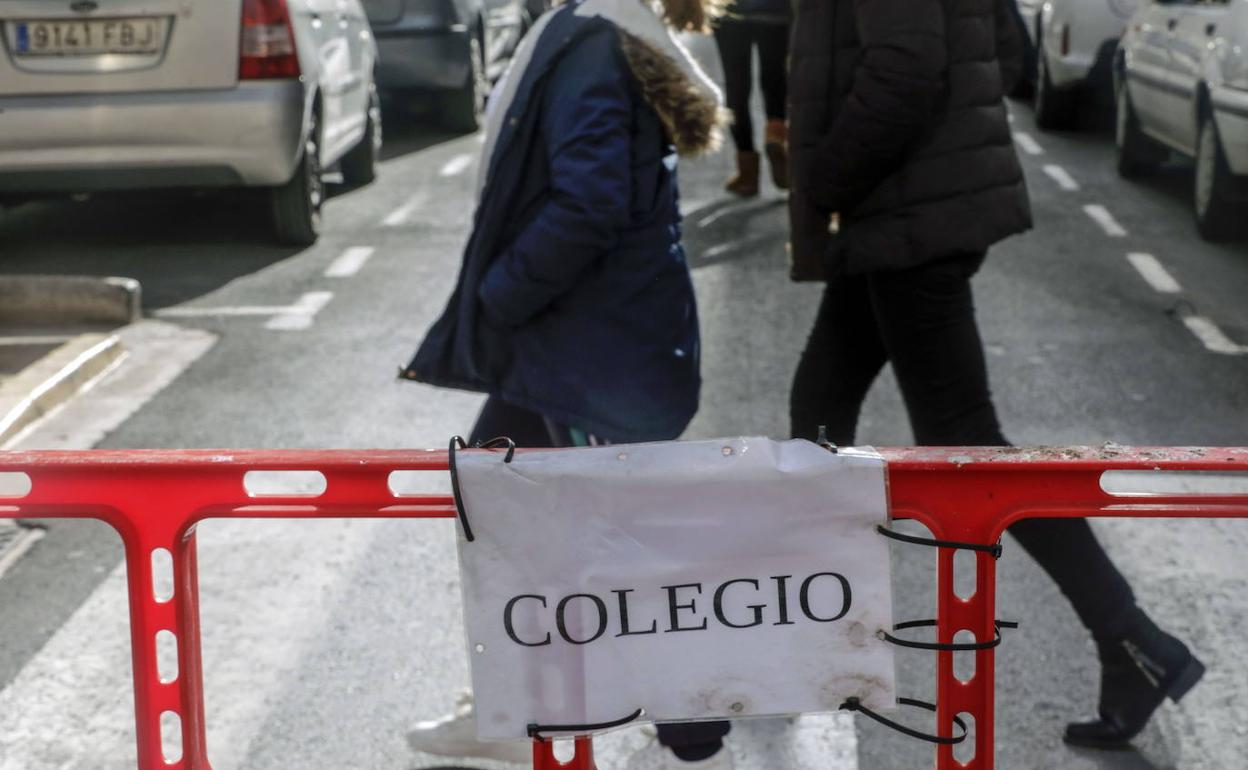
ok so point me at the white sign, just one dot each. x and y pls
(693, 580)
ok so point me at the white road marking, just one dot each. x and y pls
(1154, 273)
(403, 213)
(730, 209)
(456, 165)
(1064, 180)
(1213, 338)
(1027, 143)
(22, 542)
(1102, 217)
(157, 353)
(301, 314)
(229, 310)
(286, 317)
(717, 250)
(350, 262)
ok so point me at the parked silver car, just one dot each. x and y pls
(102, 95)
(1182, 85)
(449, 50)
(1073, 42)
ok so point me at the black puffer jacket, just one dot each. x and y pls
(898, 125)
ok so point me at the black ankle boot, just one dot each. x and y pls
(1139, 670)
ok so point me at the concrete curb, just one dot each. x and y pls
(54, 379)
(69, 299)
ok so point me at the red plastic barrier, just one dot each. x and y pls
(154, 499)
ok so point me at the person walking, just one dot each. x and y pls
(574, 308)
(763, 25)
(904, 174)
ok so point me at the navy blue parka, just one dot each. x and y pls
(574, 299)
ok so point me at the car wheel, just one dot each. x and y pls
(1137, 152)
(1054, 108)
(296, 206)
(359, 165)
(464, 109)
(1214, 194)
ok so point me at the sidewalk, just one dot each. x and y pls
(56, 337)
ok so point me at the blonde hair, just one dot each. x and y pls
(692, 15)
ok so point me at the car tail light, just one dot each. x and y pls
(267, 48)
(1066, 40)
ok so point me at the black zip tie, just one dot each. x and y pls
(854, 704)
(457, 442)
(994, 548)
(937, 646)
(535, 730)
(497, 442)
(822, 440)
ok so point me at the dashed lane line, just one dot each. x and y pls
(456, 165)
(1063, 178)
(1106, 220)
(1213, 338)
(350, 262)
(1152, 271)
(1027, 143)
(301, 314)
(403, 213)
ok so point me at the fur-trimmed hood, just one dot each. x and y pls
(692, 116)
(686, 100)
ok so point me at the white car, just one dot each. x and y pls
(1074, 43)
(1182, 84)
(100, 95)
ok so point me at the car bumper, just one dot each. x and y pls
(1230, 109)
(419, 58)
(1079, 68)
(247, 135)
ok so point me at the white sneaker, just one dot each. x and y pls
(655, 756)
(455, 735)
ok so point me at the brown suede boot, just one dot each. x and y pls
(778, 153)
(745, 181)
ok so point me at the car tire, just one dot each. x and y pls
(1055, 108)
(463, 110)
(359, 165)
(295, 207)
(1137, 152)
(1215, 194)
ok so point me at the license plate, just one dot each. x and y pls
(95, 37)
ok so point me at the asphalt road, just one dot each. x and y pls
(322, 641)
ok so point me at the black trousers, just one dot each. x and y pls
(736, 39)
(688, 740)
(922, 320)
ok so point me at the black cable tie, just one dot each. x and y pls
(457, 442)
(937, 646)
(994, 548)
(854, 704)
(822, 440)
(535, 730)
(497, 442)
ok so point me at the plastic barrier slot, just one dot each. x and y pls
(171, 737)
(162, 575)
(1170, 483)
(167, 656)
(14, 484)
(285, 483)
(964, 660)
